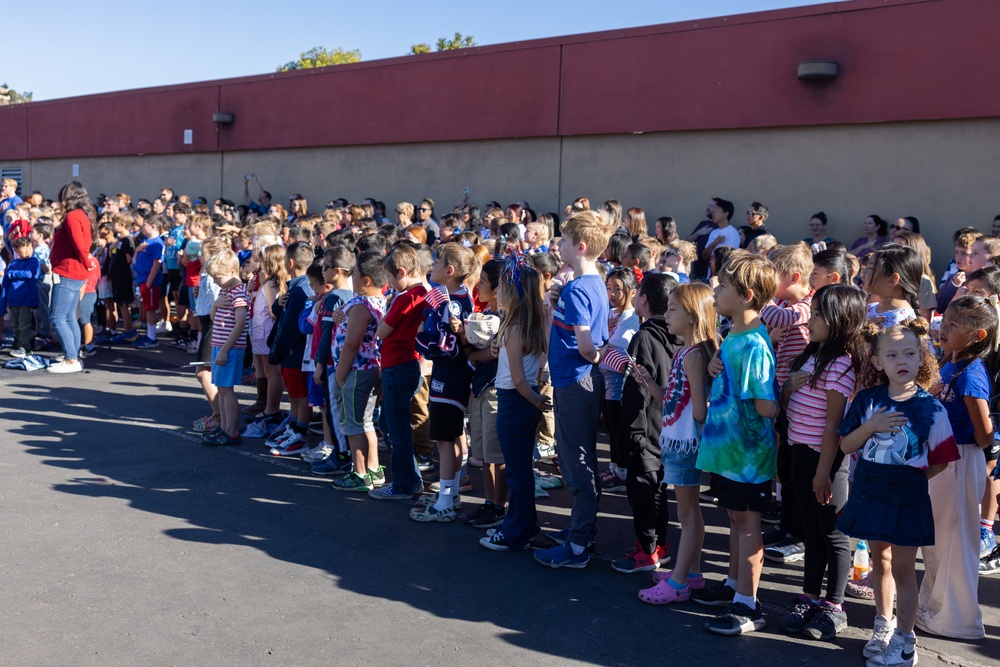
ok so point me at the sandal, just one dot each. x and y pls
(663, 593)
(861, 589)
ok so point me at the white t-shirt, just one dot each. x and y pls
(730, 237)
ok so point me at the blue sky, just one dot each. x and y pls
(105, 45)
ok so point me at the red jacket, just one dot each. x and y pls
(71, 243)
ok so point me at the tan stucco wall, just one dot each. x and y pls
(942, 172)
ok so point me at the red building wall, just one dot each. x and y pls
(900, 60)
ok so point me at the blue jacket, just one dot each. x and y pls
(20, 284)
(289, 341)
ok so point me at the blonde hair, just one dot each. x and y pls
(223, 263)
(272, 266)
(761, 244)
(541, 228)
(405, 208)
(749, 273)
(591, 228)
(698, 301)
(263, 227)
(791, 259)
(214, 245)
(10, 181)
(460, 258)
(201, 222)
(525, 312)
(685, 249)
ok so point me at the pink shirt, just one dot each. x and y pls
(807, 405)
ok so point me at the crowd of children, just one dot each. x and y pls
(799, 364)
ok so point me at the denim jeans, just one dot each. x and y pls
(399, 385)
(517, 420)
(62, 314)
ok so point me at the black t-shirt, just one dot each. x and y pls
(122, 251)
(750, 233)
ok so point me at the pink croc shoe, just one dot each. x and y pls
(693, 583)
(664, 593)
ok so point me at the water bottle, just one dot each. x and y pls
(861, 561)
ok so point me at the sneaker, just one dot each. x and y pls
(861, 589)
(377, 477)
(192, 347)
(560, 536)
(430, 514)
(66, 367)
(316, 427)
(802, 612)
(900, 652)
(715, 595)
(491, 518)
(103, 338)
(428, 499)
(126, 337)
(205, 424)
(695, 583)
(333, 466)
(828, 621)
(88, 351)
(480, 511)
(738, 619)
(664, 593)
(426, 464)
(771, 516)
(788, 550)
(278, 434)
(19, 353)
(209, 436)
(476, 461)
(145, 343)
(546, 480)
(773, 536)
(661, 554)
(317, 453)
(609, 481)
(352, 482)
(880, 636)
(222, 440)
(495, 542)
(545, 451)
(389, 492)
(164, 327)
(293, 445)
(255, 429)
(990, 564)
(561, 556)
(464, 485)
(637, 560)
(987, 540)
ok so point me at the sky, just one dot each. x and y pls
(106, 45)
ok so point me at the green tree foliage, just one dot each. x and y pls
(459, 41)
(10, 96)
(320, 57)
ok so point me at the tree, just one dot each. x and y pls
(459, 41)
(10, 96)
(320, 57)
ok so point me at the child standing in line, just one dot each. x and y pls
(815, 397)
(948, 604)
(579, 331)
(401, 378)
(311, 324)
(148, 274)
(738, 442)
(208, 292)
(270, 281)
(357, 358)
(623, 323)
(905, 438)
(229, 332)
(895, 280)
(20, 294)
(451, 376)
(122, 286)
(521, 345)
(690, 316)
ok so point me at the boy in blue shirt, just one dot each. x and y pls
(149, 276)
(579, 331)
(19, 294)
(738, 443)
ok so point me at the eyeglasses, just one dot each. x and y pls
(898, 228)
(753, 212)
(423, 209)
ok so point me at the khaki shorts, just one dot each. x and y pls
(483, 441)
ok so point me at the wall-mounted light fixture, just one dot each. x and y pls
(223, 118)
(818, 69)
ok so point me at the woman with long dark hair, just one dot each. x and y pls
(70, 259)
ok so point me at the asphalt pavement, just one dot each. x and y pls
(125, 541)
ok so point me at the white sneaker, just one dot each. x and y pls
(901, 652)
(545, 451)
(66, 367)
(880, 636)
(164, 327)
(192, 348)
(317, 453)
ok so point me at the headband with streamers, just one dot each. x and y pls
(513, 262)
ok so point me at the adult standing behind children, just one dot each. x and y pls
(70, 258)
(579, 330)
(724, 233)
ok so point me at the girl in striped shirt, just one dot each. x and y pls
(815, 397)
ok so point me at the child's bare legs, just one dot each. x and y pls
(883, 583)
(692, 533)
(495, 483)
(204, 375)
(327, 431)
(301, 412)
(749, 552)
(450, 455)
(275, 388)
(902, 571)
(229, 409)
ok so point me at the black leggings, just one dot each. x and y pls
(612, 423)
(828, 551)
